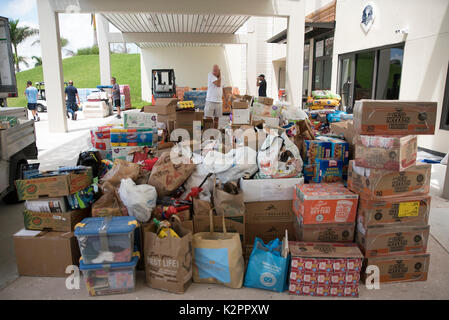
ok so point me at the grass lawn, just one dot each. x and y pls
(85, 73)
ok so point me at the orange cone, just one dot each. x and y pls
(153, 102)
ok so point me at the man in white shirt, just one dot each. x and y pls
(214, 104)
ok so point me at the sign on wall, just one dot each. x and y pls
(368, 15)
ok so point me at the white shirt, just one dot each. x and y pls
(214, 92)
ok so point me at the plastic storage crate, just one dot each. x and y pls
(115, 278)
(106, 239)
(197, 96)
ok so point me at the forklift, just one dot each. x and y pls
(163, 83)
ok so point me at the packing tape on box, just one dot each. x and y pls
(103, 233)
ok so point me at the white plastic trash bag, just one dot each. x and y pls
(140, 200)
(279, 158)
(233, 165)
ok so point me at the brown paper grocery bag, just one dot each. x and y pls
(168, 261)
(167, 176)
(227, 204)
(217, 257)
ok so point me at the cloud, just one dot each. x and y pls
(20, 8)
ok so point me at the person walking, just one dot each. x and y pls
(116, 96)
(71, 95)
(262, 84)
(214, 104)
(31, 94)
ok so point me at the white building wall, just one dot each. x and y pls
(426, 52)
(192, 64)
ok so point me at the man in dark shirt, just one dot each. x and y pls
(71, 95)
(116, 96)
(262, 84)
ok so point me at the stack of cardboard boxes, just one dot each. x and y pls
(392, 223)
(268, 209)
(54, 205)
(325, 212)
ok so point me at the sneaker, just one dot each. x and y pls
(118, 116)
(38, 119)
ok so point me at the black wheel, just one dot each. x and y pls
(40, 108)
(11, 197)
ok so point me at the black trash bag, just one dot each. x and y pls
(90, 159)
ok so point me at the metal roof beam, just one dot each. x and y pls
(282, 8)
(180, 37)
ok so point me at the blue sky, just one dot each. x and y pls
(74, 27)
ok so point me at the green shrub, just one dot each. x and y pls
(87, 51)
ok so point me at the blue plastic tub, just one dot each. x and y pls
(106, 239)
(114, 278)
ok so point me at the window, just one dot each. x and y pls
(305, 71)
(444, 124)
(370, 74)
(389, 73)
(322, 71)
(364, 75)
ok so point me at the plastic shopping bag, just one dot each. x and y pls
(267, 269)
(140, 200)
(279, 158)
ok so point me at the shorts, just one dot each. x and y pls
(117, 103)
(32, 106)
(213, 109)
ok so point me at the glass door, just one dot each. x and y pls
(346, 81)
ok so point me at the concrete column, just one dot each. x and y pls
(145, 75)
(251, 54)
(295, 53)
(445, 194)
(103, 48)
(52, 66)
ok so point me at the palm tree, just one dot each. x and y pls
(93, 22)
(18, 35)
(20, 59)
(64, 44)
(38, 61)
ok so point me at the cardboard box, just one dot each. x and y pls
(378, 183)
(318, 149)
(268, 220)
(345, 129)
(328, 170)
(394, 211)
(268, 231)
(54, 186)
(55, 221)
(269, 189)
(122, 153)
(388, 241)
(389, 153)
(139, 120)
(326, 232)
(401, 268)
(324, 269)
(265, 100)
(240, 116)
(269, 211)
(325, 203)
(239, 104)
(201, 223)
(162, 106)
(47, 205)
(45, 254)
(393, 117)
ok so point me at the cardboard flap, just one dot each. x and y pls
(325, 250)
(162, 102)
